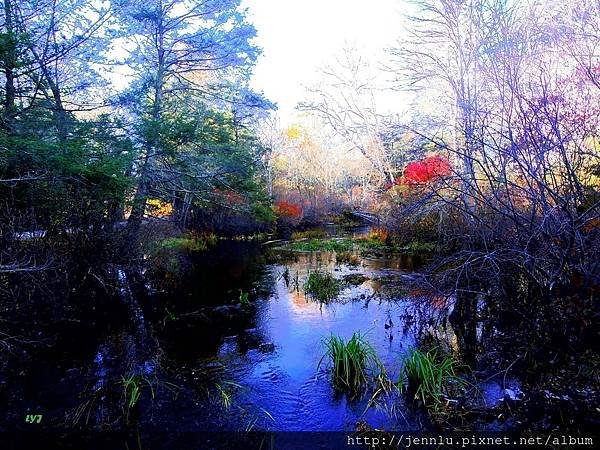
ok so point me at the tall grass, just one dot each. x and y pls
(417, 247)
(316, 233)
(133, 386)
(430, 377)
(328, 245)
(244, 299)
(226, 391)
(322, 286)
(353, 362)
(189, 242)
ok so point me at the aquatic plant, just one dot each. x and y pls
(376, 241)
(244, 299)
(355, 279)
(316, 233)
(347, 258)
(190, 242)
(133, 386)
(286, 276)
(255, 418)
(373, 241)
(169, 316)
(329, 245)
(225, 392)
(353, 362)
(322, 286)
(430, 377)
(296, 282)
(421, 247)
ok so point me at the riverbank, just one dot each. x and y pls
(233, 338)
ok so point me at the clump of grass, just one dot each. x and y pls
(316, 233)
(328, 245)
(255, 418)
(347, 258)
(244, 299)
(430, 377)
(322, 286)
(372, 242)
(353, 362)
(226, 391)
(169, 316)
(133, 385)
(189, 242)
(421, 247)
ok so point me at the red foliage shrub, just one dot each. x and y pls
(288, 209)
(425, 170)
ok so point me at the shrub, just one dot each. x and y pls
(425, 170)
(378, 234)
(288, 210)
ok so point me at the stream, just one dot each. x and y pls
(202, 362)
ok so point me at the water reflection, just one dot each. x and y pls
(285, 382)
(237, 368)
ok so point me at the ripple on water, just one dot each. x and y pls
(283, 383)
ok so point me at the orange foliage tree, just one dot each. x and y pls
(288, 210)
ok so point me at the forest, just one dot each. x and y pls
(414, 248)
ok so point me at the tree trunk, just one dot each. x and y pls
(141, 196)
(138, 209)
(9, 67)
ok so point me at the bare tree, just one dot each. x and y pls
(444, 50)
(523, 216)
(345, 98)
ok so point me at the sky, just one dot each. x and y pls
(299, 36)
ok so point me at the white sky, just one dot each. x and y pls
(298, 36)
